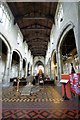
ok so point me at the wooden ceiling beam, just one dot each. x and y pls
(37, 33)
(36, 26)
(37, 44)
(40, 37)
(28, 17)
(37, 40)
(39, 52)
(35, 29)
(38, 55)
(37, 47)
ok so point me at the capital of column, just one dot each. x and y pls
(21, 60)
(10, 51)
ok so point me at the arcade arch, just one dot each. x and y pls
(3, 53)
(5, 61)
(54, 66)
(17, 57)
(66, 51)
(28, 69)
(39, 66)
(15, 64)
(24, 68)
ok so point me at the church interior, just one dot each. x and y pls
(40, 60)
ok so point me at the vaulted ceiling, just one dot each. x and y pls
(35, 20)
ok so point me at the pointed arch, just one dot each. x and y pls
(3, 38)
(18, 52)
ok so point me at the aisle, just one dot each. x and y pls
(37, 94)
(44, 104)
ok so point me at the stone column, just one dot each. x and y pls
(32, 70)
(10, 63)
(26, 69)
(6, 77)
(20, 68)
(44, 69)
(59, 65)
(61, 62)
(78, 31)
(50, 68)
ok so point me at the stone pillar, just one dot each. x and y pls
(29, 69)
(6, 77)
(61, 62)
(59, 65)
(10, 63)
(50, 68)
(26, 70)
(32, 69)
(20, 68)
(78, 31)
(45, 67)
(44, 70)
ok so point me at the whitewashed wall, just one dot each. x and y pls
(10, 35)
(70, 15)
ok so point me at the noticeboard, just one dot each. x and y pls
(75, 83)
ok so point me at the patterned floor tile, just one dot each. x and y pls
(45, 104)
(44, 114)
(46, 94)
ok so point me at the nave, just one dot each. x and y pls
(39, 40)
(44, 102)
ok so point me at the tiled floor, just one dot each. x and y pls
(38, 114)
(45, 94)
(47, 103)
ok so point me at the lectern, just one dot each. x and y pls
(64, 82)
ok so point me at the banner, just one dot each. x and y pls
(75, 83)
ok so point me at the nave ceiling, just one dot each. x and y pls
(35, 20)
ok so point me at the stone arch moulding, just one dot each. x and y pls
(6, 73)
(18, 52)
(64, 31)
(38, 61)
(25, 59)
(53, 55)
(53, 52)
(6, 42)
(67, 27)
